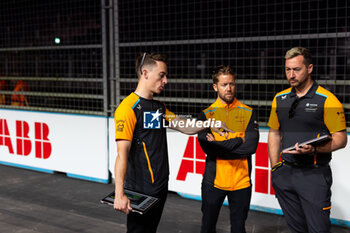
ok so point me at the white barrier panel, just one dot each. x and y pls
(73, 144)
(112, 145)
(187, 161)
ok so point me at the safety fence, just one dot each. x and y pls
(51, 56)
(79, 56)
(250, 36)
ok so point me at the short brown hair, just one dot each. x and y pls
(150, 59)
(222, 70)
(296, 51)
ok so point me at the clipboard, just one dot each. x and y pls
(140, 203)
(314, 141)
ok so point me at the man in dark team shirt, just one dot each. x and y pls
(302, 180)
(142, 161)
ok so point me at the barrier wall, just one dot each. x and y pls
(84, 147)
(50, 142)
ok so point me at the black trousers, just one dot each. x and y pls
(148, 222)
(304, 195)
(212, 200)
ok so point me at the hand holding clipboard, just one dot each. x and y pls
(307, 146)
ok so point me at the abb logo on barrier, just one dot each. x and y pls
(263, 182)
(193, 161)
(42, 143)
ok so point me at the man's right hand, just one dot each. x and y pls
(122, 204)
(222, 130)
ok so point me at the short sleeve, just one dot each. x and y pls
(334, 116)
(273, 120)
(125, 121)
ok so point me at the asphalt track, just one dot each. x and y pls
(53, 203)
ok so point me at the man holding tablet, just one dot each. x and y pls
(142, 161)
(302, 179)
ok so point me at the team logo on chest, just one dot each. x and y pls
(309, 107)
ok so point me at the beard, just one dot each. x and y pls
(227, 98)
(294, 83)
(300, 82)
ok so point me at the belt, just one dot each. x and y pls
(297, 165)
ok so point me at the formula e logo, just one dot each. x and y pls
(151, 120)
(263, 174)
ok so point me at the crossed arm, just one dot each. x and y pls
(231, 148)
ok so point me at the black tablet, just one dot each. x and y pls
(140, 203)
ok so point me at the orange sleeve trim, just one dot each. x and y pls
(125, 118)
(334, 115)
(327, 208)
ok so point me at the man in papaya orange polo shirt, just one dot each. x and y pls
(228, 163)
